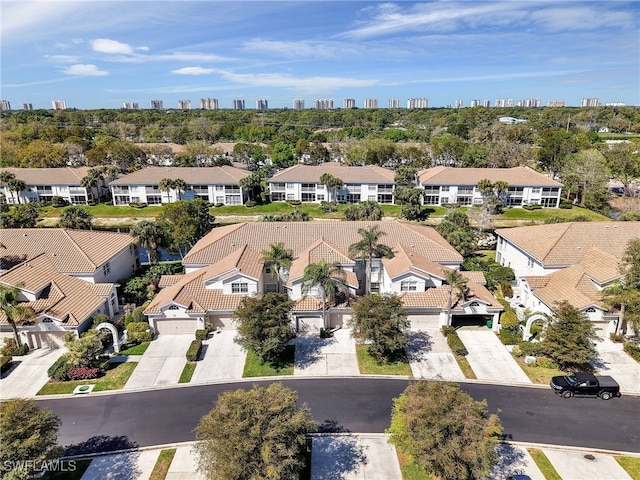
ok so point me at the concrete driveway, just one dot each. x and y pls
(614, 361)
(430, 357)
(30, 373)
(585, 466)
(515, 463)
(326, 356)
(489, 358)
(222, 359)
(162, 363)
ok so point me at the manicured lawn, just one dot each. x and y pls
(631, 465)
(254, 368)
(187, 372)
(68, 470)
(135, 349)
(372, 366)
(538, 374)
(544, 464)
(162, 465)
(463, 363)
(114, 379)
(107, 210)
(411, 470)
(537, 216)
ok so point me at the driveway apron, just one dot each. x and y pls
(489, 358)
(592, 466)
(162, 363)
(222, 359)
(29, 374)
(430, 357)
(326, 356)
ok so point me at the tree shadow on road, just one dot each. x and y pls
(100, 444)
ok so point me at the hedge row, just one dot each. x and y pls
(632, 349)
(202, 334)
(5, 363)
(456, 345)
(193, 353)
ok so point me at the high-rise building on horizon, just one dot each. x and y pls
(499, 103)
(58, 105)
(394, 103)
(157, 105)
(417, 103)
(486, 103)
(5, 105)
(459, 104)
(348, 103)
(238, 104)
(510, 103)
(615, 104)
(555, 103)
(184, 104)
(298, 104)
(209, 103)
(27, 106)
(323, 104)
(370, 103)
(130, 106)
(262, 104)
(590, 102)
(475, 103)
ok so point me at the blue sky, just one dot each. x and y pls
(96, 54)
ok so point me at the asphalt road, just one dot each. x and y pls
(361, 405)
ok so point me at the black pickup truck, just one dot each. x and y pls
(584, 384)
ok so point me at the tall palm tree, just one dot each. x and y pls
(16, 185)
(278, 258)
(76, 218)
(15, 312)
(369, 247)
(456, 281)
(166, 185)
(90, 181)
(5, 178)
(179, 186)
(329, 278)
(150, 236)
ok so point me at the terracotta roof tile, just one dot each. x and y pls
(49, 176)
(516, 176)
(224, 175)
(475, 277)
(569, 284)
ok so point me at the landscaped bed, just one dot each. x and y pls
(115, 379)
(135, 349)
(187, 372)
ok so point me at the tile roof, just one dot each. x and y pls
(224, 175)
(439, 297)
(405, 260)
(62, 297)
(516, 176)
(571, 284)
(308, 303)
(348, 174)
(563, 244)
(475, 277)
(299, 236)
(320, 250)
(49, 176)
(71, 251)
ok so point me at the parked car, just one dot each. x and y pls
(583, 384)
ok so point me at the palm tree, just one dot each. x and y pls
(15, 312)
(90, 181)
(5, 178)
(166, 185)
(278, 258)
(180, 186)
(329, 278)
(76, 218)
(369, 247)
(150, 236)
(16, 185)
(458, 282)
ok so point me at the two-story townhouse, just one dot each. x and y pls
(451, 185)
(226, 265)
(42, 184)
(571, 261)
(62, 303)
(212, 184)
(302, 183)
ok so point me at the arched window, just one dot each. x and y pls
(474, 304)
(172, 307)
(590, 310)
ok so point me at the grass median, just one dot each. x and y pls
(253, 367)
(114, 379)
(370, 365)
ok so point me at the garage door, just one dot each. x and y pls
(46, 339)
(175, 326)
(339, 320)
(423, 321)
(309, 324)
(223, 323)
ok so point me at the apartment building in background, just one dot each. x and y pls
(323, 104)
(184, 104)
(349, 103)
(370, 103)
(298, 104)
(58, 105)
(394, 103)
(157, 105)
(238, 104)
(130, 106)
(590, 102)
(556, 103)
(262, 104)
(5, 105)
(209, 103)
(417, 103)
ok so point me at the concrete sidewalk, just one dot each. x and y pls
(317, 356)
(489, 358)
(29, 374)
(430, 357)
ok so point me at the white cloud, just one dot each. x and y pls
(85, 70)
(193, 71)
(143, 49)
(106, 45)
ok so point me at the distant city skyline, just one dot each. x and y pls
(291, 53)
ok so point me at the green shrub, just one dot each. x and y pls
(629, 217)
(137, 205)
(456, 345)
(219, 204)
(5, 363)
(545, 362)
(532, 207)
(327, 207)
(138, 332)
(58, 201)
(506, 288)
(632, 349)
(616, 337)
(295, 203)
(193, 353)
(517, 351)
(10, 348)
(325, 333)
(446, 331)
(250, 203)
(532, 349)
(136, 316)
(565, 204)
(508, 337)
(59, 369)
(202, 334)
(509, 321)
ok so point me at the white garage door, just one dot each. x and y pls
(423, 321)
(223, 323)
(46, 339)
(176, 326)
(309, 324)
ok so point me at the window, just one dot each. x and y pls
(277, 196)
(590, 310)
(431, 200)
(375, 287)
(474, 304)
(308, 197)
(239, 287)
(106, 269)
(172, 307)
(530, 262)
(408, 286)
(372, 198)
(271, 287)
(47, 320)
(535, 189)
(320, 197)
(444, 188)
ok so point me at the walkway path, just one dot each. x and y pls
(489, 358)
